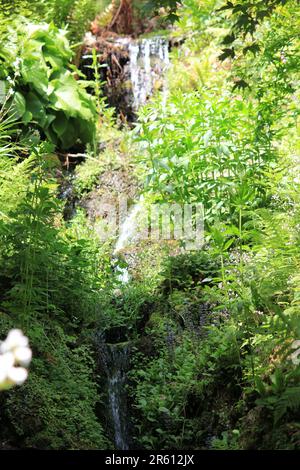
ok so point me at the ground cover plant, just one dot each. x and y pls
(203, 344)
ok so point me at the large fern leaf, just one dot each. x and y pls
(289, 401)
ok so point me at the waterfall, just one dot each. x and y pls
(117, 400)
(129, 226)
(115, 359)
(132, 70)
(129, 230)
(148, 62)
(149, 59)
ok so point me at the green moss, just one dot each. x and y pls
(87, 175)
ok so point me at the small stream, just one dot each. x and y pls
(115, 384)
(132, 70)
(149, 60)
(129, 229)
(115, 358)
(146, 67)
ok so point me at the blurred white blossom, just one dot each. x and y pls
(10, 80)
(15, 356)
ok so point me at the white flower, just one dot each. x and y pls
(17, 375)
(6, 363)
(14, 352)
(15, 339)
(283, 59)
(17, 62)
(23, 356)
(10, 92)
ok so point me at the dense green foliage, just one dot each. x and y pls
(43, 264)
(246, 18)
(214, 334)
(234, 151)
(170, 7)
(45, 93)
(75, 13)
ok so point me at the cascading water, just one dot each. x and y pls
(115, 361)
(132, 69)
(130, 228)
(117, 400)
(149, 60)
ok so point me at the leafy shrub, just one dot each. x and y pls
(50, 279)
(205, 148)
(61, 12)
(189, 270)
(58, 402)
(160, 395)
(78, 23)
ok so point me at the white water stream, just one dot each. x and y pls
(115, 359)
(116, 392)
(127, 234)
(149, 60)
(148, 63)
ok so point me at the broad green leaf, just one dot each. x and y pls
(69, 137)
(27, 117)
(60, 124)
(37, 108)
(35, 76)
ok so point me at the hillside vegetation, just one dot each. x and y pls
(214, 332)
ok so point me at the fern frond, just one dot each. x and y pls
(289, 401)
